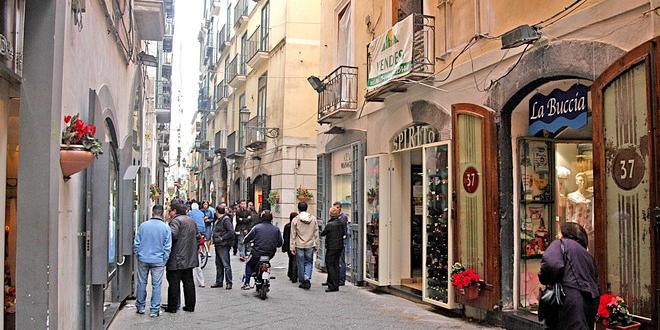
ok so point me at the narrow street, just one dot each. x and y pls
(289, 307)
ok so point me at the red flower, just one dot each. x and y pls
(90, 130)
(67, 119)
(79, 125)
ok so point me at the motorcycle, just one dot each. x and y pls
(262, 277)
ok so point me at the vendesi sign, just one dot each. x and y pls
(414, 136)
(558, 109)
(391, 54)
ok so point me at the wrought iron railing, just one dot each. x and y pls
(220, 142)
(241, 9)
(222, 38)
(423, 49)
(255, 44)
(221, 91)
(163, 94)
(256, 133)
(236, 67)
(340, 91)
(234, 147)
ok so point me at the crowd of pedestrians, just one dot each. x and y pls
(169, 243)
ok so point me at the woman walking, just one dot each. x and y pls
(567, 261)
(292, 271)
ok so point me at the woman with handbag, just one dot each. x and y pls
(568, 270)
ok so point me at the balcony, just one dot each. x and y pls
(222, 39)
(215, 7)
(236, 71)
(166, 65)
(240, 14)
(338, 99)
(203, 102)
(235, 148)
(220, 142)
(256, 134)
(414, 38)
(150, 19)
(221, 95)
(163, 94)
(169, 8)
(257, 48)
(167, 43)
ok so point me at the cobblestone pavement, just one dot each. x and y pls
(289, 307)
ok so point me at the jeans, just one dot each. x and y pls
(156, 271)
(199, 276)
(332, 264)
(305, 263)
(174, 278)
(250, 265)
(241, 246)
(222, 265)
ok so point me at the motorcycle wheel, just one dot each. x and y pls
(262, 292)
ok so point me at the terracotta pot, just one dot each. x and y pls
(471, 292)
(634, 325)
(73, 159)
(302, 198)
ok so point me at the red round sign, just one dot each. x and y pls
(470, 179)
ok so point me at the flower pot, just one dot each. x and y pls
(73, 159)
(471, 292)
(634, 325)
(302, 198)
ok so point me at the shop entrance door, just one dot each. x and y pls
(626, 169)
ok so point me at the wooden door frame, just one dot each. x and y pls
(491, 293)
(648, 53)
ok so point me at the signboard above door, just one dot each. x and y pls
(414, 136)
(558, 110)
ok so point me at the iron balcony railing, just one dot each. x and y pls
(256, 134)
(221, 92)
(163, 94)
(220, 142)
(234, 147)
(203, 101)
(222, 38)
(423, 55)
(169, 26)
(236, 67)
(240, 10)
(339, 96)
(255, 44)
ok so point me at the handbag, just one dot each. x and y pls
(554, 295)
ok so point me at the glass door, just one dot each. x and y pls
(376, 219)
(626, 191)
(437, 226)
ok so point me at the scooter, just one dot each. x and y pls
(262, 277)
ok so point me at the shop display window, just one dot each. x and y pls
(555, 184)
(372, 184)
(437, 222)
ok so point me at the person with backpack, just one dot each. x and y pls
(223, 240)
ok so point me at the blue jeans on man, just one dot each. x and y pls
(156, 271)
(222, 265)
(241, 246)
(305, 258)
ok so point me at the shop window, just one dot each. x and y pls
(372, 218)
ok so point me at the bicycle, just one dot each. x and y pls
(202, 253)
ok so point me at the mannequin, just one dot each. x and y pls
(579, 206)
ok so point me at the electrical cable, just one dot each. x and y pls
(493, 82)
(566, 14)
(495, 66)
(558, 13)
(303, 123)
(451, 65)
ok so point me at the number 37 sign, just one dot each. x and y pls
(628, 168)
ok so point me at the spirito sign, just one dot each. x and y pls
(558, 109)
(414, 136)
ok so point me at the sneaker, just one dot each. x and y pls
(154, 314)
(245, 287)
(308, 285)
(140, 311)
(214, 285)
(228, 287)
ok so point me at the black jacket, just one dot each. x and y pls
(286, 247)
(335, 232)
(223, 232)
(184, 244)
(266, 238)
(242, 221)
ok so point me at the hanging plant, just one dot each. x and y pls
(78, 146)
(303, 194)
(154, 192)
(273, 198)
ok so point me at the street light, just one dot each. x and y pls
(316, 83)
(148, 60)
(244, 115)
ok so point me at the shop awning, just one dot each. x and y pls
(131, 172)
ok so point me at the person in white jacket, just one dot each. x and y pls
(304, 243)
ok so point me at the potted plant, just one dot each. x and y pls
(613, 313)
(466, 280)
(273, 198)
(303, 194)
(154, 192)
(78, 146)
(10, 299)
(371, 195)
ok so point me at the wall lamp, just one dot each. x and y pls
(148, 60)
(316, 83)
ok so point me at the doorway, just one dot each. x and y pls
(413, 217)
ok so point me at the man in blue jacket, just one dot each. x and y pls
(266, 238)
(152, 247)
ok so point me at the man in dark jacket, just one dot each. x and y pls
(183, 259)
(223, 239)
(292, 270)
(243, 219)
(266, 238)
(335, 232)
(343, 218)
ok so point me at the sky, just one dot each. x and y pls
(185, 74)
